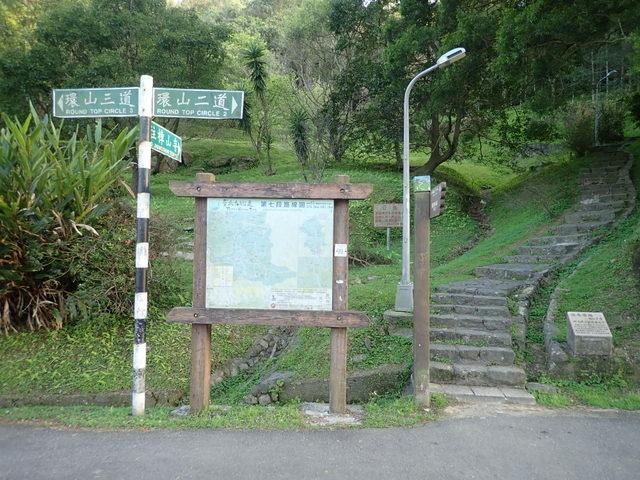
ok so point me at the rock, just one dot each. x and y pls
(541, 387)
(270, 382)
(181, 411)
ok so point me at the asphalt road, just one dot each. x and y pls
(474, 442)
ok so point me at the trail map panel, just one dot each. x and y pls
(269, 253)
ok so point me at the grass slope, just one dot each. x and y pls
(96, 357)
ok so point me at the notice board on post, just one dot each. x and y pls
(270, 254)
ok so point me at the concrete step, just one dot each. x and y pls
(590, 205)
(481, 286)
(557, 249)
(607, 215)
(534, 258)
(515, 271)
(625, 196)
(478, 311)
(460, 336)
(499, 324)
(556, 239)
(586, 179)
(604, 168)
(586, 227)
(443, 317)
(590, 190)
(483, 394)
(471, 336)
(472, 354)
(481, 375)
(468, 299)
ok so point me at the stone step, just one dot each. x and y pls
(468, 299)
(558, 249)
(482, 375)
(555, 239)
(474, 310)
(606, 179)
(515, 271)
(534, 258)
(605, 215)
(604, 168)
(471, 336)
(459, 336)
(590, 190)
(472, 354)
(453, 321)
(586, 227)
(482, 394)
(625, 197)
(481, 286)
(590, 205)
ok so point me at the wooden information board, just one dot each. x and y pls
(202, 316)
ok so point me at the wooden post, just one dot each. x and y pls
(200, 383)
(338, 373)
(421, 298)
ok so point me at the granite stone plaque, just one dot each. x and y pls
(588, 334)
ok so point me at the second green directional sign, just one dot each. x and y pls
(166, 142)
(188, 103)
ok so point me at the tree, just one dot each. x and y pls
(258, 123)
(110, 43)
(361, 106)
(308, 53)
(543, 46)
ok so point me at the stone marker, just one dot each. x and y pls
(588, 334)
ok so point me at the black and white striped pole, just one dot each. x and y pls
(142, 246)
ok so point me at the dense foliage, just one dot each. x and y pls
(53, 190)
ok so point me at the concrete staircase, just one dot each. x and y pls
(476, 323)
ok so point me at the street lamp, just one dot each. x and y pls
(597, 102)
(404, 292)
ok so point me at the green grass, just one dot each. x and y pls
(611, 391)
(526, 209)
(96, 357)
(603, 280)
(380, 413)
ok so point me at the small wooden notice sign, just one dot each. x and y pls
(387, 215)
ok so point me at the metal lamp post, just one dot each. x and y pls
(404, 292)
(597, 102)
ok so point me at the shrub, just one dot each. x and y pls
(611, 124)
(578, 127)
(106, 277)
(52, 190)
(540, 129)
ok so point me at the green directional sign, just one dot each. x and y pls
(166, 142)
(210, 104)
(95, 102)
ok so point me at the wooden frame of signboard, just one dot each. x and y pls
(338, 318)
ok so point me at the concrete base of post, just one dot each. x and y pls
(404, 298)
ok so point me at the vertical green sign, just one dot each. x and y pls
(166, 142)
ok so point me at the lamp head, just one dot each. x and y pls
(451, 56)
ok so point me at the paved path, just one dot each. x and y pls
(474, 442)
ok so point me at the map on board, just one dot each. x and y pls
(269, 254)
